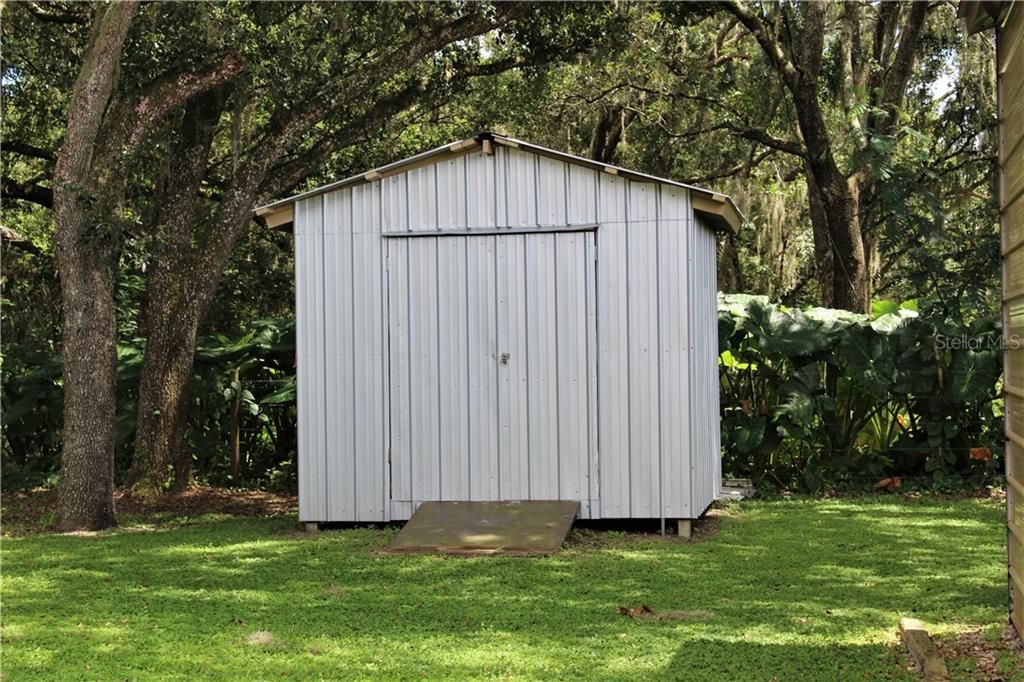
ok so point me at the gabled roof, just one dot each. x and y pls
(715, 208)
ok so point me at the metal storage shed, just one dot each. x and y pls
(495, 320)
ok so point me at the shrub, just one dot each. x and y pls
(823, 398)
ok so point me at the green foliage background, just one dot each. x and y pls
(818, 398)
(811, 399)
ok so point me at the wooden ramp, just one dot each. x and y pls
(517, 528)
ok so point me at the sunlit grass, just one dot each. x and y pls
(795, 590)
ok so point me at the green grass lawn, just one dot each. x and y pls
(782, 590)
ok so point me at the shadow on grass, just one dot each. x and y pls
(808, 590)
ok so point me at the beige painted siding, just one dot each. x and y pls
(1010, 63)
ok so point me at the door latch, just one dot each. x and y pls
(504, 358)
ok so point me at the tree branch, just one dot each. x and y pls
(288, 127)
(899, 74)
(37, 11)
(26, 149)
(729, 172)
(17, 241)
(26, 191)
(173, 92)
(768, 43)
(758, 135)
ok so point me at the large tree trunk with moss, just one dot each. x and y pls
(161, 461)
(176, 300)
(829, 191)
(87, 252)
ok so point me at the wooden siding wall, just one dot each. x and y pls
(393, 411)
(1010, 72)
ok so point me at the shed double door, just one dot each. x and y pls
(492, 368)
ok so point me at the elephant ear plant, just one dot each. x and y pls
(820, 398)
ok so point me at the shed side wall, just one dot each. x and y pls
(644, 354)
(1010, 63)
(345, 326)
(310, 364)
(705, 433)
(676, 331)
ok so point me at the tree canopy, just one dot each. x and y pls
(857, 138)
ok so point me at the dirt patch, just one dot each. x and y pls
(646, 613)
(592, 535)
(904, 491)
(27, 511)
(263, 638)
(982, 657)
(200, 500)
(32, 511)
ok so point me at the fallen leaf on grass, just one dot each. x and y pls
(990, 658)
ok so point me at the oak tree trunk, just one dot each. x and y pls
(177, 295)
(180, 289)
(823, 257)
(833, 201)
(85, 498)
(161, 461)
(86, 248)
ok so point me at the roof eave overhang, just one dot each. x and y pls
(981, 15)
(717, 210)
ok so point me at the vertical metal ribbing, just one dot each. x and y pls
(437, 335)
(658, 310)
(497, 365)
(526, 334)
(465, 196)
(408, 369)
(536, 189)
(352, 309)
(629, 354)
(385, 363)
(469, 382)
(558, 378)
(437, 360)
(388, 485)
(567, 184)
(589, 266)
(595, 450)
(322, 284)
(691, 245)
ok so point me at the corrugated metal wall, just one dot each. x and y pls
(342, 376)
(602, 296)
(705, 436)
(492, 390)
(1010, 51)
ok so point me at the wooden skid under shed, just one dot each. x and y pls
(520, 528)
